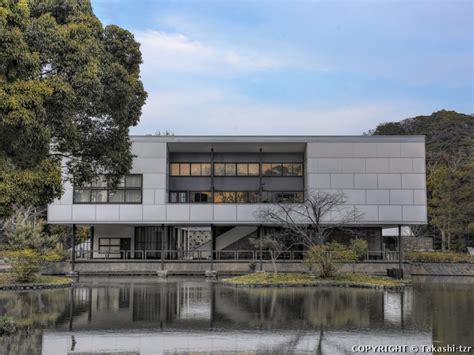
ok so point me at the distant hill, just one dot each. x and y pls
(446, 132)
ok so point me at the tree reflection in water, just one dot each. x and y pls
(437, 310)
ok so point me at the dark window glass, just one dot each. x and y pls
(276, 169)
(242, 169)
(206, 169)
(174, 169)
(184, 169)
(254, 169)
(230, 169)
(267, 169)
(219, 169)
(200, 197)
(195, 169)
(252, 197)
(117, 196)
(82, 196)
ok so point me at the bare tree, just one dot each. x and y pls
(273, 243)
(313, 220)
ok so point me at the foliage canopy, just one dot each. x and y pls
(70, 90)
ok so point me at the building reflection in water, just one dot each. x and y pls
(184, 315)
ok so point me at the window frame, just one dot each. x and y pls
(121, 187)
(177, 192)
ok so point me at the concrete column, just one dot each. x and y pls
(400, 249)
(213, 245)
(73, 248)
(92, 243)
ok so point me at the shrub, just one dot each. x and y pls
(439, 257)
(329, 257)
(252, 266)
(359, 247)
(7, 325)
(27, 263)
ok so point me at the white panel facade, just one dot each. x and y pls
(382, 177)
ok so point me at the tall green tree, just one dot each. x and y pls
(70, 89)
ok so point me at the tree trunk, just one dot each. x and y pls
(273, 262)
(443, 240)
(449, 241)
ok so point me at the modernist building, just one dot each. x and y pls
(198, 193)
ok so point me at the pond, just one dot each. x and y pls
(146, 315)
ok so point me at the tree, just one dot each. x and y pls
(273, 243)
(329, 257)
(312, 221)
(451, 203)
(70, 90)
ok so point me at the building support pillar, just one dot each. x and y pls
(400, 250)
(213, 245)
(92, 243)
(162, 257)
(73, 248)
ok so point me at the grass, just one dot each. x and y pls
(7, 278)
(295, 279)
(439, 257)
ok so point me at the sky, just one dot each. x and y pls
(297, 67)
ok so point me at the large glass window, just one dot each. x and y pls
(246, 197)
(190, 169)
(127, 191)
(288, 197)
(242, 169)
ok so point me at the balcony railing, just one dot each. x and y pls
(210, 255)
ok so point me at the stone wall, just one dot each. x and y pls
(417, 243)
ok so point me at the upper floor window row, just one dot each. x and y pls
(128, 191)
(236, 169)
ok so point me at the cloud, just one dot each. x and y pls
(176, 52)
(215, 111)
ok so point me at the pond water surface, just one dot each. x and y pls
(145, 315)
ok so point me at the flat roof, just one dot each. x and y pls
(275, 139)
